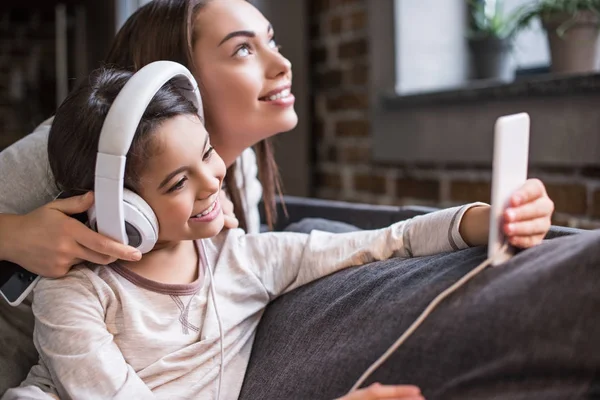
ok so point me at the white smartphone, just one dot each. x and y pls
(509, 172)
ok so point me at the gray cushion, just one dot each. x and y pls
(527, 330)
(308, 224)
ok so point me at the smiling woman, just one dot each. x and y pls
(239, 65)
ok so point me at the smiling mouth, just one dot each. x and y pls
(281, 95)
(207, 211)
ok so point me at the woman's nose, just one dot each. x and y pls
(279, 65)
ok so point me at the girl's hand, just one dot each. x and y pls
(377, 391)
(48, 242)
(529, 215)
(231, 222)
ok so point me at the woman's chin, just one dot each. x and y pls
(284, 124)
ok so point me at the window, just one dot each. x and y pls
(431, 48)
(125, 8)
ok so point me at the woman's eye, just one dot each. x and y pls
(243, 51)
(178, 185)
(208, 153)
(273, 44)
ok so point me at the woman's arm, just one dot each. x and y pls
(26, 182)
(39, 236)
(75, 344)
(48, 242)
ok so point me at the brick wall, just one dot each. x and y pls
(344, 169)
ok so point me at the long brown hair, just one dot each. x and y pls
(164, 30)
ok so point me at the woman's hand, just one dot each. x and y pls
(48, 242)
(525, 222)
(377, 391)
(231, 222)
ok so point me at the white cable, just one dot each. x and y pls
(421, 318)
(214, 299)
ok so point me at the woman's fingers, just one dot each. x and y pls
(103, 245)
(87, 254)
(230, 222)
(226, 204)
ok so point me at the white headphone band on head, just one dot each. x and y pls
(113, 213)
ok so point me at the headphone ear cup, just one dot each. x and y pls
(141, 223)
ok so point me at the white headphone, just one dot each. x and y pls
(117, 212)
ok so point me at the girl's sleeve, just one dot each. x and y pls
(284, 261)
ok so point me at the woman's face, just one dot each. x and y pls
(245, 81)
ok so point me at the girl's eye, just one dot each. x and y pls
(208, 153)
(243, 51)
(179, 185)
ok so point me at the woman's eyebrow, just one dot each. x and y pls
(249, 34)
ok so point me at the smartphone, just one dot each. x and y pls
(509, 172)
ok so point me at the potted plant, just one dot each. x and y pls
(491, 37)
(573, 31)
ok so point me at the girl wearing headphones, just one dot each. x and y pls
(230, 48)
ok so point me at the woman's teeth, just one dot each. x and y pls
(207, 211)
(281, 95)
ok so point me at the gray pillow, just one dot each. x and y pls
(527, 330)
(306, 225)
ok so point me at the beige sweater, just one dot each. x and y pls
(105, 332)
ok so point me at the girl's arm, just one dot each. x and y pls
(75, 345)
(284, 261)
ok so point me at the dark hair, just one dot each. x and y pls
(164, 30)
(75, 132)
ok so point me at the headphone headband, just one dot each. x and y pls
(117, 135)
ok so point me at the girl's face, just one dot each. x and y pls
(181, 181)
(245, 81)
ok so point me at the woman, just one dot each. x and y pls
(230, 48)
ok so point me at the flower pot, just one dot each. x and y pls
(492, 59)
(576, 51)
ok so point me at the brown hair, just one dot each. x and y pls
(75, 131)
(164, 30)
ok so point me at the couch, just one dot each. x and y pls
(526, 330)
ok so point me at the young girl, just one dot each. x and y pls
(235, 77)
(150, 329)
